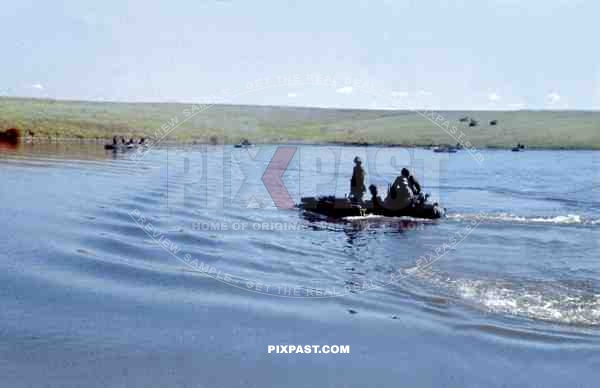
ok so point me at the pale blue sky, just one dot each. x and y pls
(469, 54)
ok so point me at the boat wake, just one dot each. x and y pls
(566, 198)
(569, 219)
(548, 301)
(562, 302)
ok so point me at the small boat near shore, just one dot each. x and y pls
(445, 149)
(519, 147)
(121, 143)
(244, 144)
(121, 147)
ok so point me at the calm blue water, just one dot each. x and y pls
(90, 295)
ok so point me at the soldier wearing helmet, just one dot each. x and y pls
(357, 183)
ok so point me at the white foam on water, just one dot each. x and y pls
(569, 219)
(545, 301)
(379, 218)
(369, 217)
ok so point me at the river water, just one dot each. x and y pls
(180, 269)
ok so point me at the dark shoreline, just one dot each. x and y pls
(74, 141)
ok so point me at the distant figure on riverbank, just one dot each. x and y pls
(29, 137)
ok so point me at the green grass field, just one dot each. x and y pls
(52, 120)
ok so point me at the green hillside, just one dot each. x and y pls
(51, 120)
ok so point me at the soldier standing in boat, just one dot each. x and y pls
(357, 183)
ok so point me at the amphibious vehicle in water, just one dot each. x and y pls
(339, 208)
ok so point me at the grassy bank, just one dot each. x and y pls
(50, 119)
